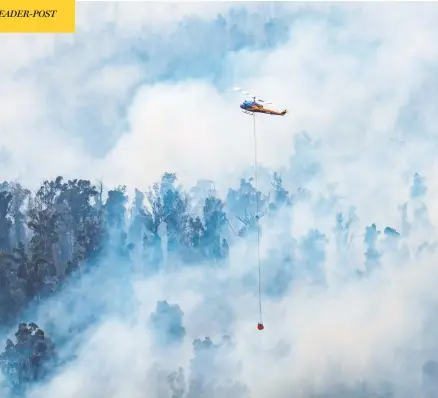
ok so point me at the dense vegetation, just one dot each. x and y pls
(29, 357)
(66, 227)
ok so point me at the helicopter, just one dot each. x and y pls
(255, 106)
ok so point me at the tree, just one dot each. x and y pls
(83, 229)
(281, 195)
(12, 288)
(46, 220)
(115, 207)
(248, 205)
(5, 221)
(372, 254)
(26, 360)
(166, 324)
(19, 196)
(214, 219)
(211, 373)
(166, 205)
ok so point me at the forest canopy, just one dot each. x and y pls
(67, 227)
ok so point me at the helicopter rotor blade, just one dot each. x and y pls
(244, 92)
(257, 99)
(240, 89)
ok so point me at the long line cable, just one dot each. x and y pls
(257, 216)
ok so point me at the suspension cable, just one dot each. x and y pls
(257, 217)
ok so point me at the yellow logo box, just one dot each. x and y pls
(37, 16)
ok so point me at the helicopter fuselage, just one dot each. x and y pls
(252, 107)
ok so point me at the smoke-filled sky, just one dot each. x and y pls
(144, 88)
